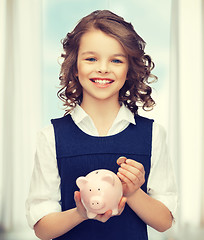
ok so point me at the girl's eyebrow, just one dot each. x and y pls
(88, 52)
(119, 55)
(114, 55)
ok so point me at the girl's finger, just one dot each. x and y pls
(77, 196)
(131, 169)
(104, 217)
(135, 164)
(124, 178)
(122, 203)
(130, 177)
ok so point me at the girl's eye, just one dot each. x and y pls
(116, 61)
(91, 59)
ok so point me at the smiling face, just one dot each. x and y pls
(102, 66)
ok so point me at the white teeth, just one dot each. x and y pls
(102, 81)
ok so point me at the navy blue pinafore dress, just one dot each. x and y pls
(79, 153)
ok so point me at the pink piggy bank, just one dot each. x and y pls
(101, 190)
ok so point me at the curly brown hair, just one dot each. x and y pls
(136, 89)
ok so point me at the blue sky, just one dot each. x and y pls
(151, 20)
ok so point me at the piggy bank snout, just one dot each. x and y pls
(96, 202)
(101, 190)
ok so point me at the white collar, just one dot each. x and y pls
(78, 114)
(124, 114)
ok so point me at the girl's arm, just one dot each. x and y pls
(56, 224)
(150, 210)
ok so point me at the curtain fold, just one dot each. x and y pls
(20, 104)
(186, 106)
(202, 208)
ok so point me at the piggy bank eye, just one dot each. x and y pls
(96, 172)
(90, 189)
(99, 189)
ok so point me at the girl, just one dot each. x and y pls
(104, 76)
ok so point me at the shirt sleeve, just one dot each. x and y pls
(161, 183)
(44, 194)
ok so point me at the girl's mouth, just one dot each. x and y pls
(102, 82)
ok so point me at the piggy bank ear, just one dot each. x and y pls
(108, 178)
(81, 182)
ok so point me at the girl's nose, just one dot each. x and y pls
(103, 68)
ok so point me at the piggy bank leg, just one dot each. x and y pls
(91, 215)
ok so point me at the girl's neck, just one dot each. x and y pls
(103, 114)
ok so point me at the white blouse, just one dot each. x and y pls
(44, 195)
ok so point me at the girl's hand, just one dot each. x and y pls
(104, 217)
(100, 217)
(80, 207)
(132, 175)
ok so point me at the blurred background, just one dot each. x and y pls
(31, 31)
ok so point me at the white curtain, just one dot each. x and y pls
(20, 101)
(187, 107)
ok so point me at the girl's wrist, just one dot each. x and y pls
(80, 217)
(133, 195)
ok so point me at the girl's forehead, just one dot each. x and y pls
(96, 40)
